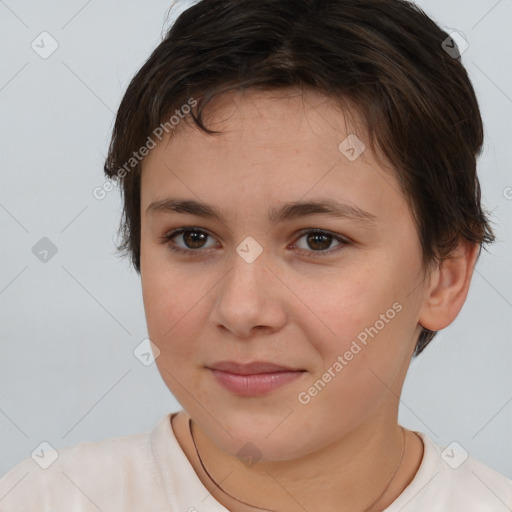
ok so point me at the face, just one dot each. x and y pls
(336, 295)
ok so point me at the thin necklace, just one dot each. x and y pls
(268, 510)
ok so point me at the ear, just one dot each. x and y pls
(448, 287)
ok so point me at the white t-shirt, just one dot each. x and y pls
(149, 472)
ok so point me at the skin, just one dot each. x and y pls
(337, 452)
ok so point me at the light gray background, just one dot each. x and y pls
(69, 326)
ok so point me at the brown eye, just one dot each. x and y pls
(318, 242)
(194, 239)
(187, 240)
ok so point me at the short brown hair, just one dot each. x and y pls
(386, 57)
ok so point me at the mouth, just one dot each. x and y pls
(254, 368)
(253, 379)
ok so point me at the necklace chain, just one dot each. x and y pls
(367, 509)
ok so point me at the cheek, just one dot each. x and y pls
(357, 377)
(174, 316)
(172, 304)
(343, 308)
(368, 340)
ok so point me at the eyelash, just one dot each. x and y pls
(199, 252)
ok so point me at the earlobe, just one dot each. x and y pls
(448, 287)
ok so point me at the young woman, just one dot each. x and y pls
(301, 202)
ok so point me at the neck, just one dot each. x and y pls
(347, 474)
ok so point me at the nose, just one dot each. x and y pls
(250, 299)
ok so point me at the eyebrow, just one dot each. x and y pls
(287, 211)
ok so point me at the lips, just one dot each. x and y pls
(253, 379)
(258, 367)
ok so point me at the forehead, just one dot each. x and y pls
(287, 119)
(274, 145)
(262, 115)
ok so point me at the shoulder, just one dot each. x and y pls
(475, 484)
(450, 479)
(81, 477)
